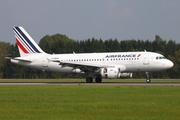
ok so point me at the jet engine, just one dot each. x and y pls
(110, 72)
(114, 73)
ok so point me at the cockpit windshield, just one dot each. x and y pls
(160, 57)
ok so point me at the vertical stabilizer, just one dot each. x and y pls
(26, 45)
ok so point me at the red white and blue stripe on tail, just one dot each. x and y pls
(25, 43)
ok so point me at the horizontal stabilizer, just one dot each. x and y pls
(20, 59)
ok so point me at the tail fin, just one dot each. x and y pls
(26, 45)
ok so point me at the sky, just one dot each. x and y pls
(84, 19)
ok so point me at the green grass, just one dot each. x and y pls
(48, 102)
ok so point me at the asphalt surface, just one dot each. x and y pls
(96, 84)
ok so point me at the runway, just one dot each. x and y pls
(94, 84)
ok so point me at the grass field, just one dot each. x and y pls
(49, 102)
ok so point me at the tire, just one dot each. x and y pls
(89, 80)
(98, 79)
(148, 80)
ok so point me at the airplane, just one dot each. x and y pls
(94, 65)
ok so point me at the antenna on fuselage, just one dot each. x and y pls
(144, 50)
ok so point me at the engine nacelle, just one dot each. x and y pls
(114, 72)
(77, 71)
(110, 72)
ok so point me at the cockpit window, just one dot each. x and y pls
(160, 57)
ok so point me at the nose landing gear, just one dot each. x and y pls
(148, 80)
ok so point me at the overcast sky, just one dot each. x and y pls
(83, 19)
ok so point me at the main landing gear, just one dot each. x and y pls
(98, 79)
(148, 80)
(90, 79)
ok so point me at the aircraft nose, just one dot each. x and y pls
(170, 64)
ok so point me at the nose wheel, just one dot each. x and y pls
(148, 80)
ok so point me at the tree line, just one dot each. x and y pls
(58, 43)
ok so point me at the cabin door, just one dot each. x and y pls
(146, 59)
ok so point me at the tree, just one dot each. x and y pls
(57, 44)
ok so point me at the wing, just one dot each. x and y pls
(85, 67)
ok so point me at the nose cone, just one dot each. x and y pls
(170, 64)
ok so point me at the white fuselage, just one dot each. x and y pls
(131, 61)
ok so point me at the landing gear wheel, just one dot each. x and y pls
(98, 79)
(148, 80)
(89, 80)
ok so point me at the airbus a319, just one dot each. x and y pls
(94, 65)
